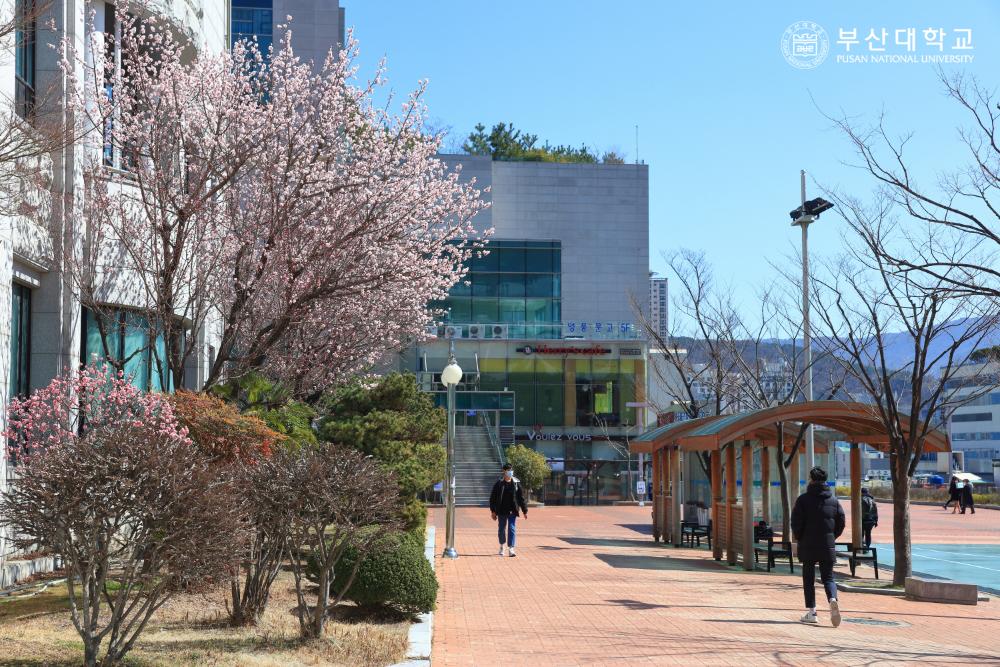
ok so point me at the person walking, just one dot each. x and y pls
(506, 499)
(954, 494)
(817, 521)
(967, 501)
(869, 516)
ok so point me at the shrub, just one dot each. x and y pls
(529, 466)
(339, 499)
(395, 575)
(219, 430)
(133, 508)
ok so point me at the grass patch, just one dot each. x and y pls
(191, 630)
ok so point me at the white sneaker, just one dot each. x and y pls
(835, 613)
(500, 553)
(511, 552)
(809, 617)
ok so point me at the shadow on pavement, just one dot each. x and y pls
(658, 563)
(644, 528)
(604, 542)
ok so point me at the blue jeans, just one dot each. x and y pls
(506, 523)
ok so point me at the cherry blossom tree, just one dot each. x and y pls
(270, 205)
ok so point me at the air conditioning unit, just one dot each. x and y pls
(477, 331)
(498, 331)
(453, 331)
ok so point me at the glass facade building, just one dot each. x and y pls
(517, 284)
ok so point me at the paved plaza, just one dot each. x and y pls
(589, 587)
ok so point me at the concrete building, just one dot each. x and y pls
(543, 326)
(659, 306)
(317, 25)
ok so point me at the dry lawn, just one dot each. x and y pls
(192, 630)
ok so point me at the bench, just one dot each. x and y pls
(692, 530)
(765, 543)
(854, 556)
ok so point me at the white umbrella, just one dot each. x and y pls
(967, 477)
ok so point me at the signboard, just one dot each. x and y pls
(630, 352)
(597, 328)
(552, 349)
(640, 487)
(579, 437)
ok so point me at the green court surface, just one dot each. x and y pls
(968, 563)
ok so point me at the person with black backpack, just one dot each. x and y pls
(869, 516)
(817, 521)
(505, 500)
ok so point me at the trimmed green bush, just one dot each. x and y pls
(393, 575)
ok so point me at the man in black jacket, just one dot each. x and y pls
(505, 499)
(817, 522)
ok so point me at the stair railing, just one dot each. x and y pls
(484, 419)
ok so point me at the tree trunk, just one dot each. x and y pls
(786, 505)
(903, 565)
(91, 647)
(322, 596)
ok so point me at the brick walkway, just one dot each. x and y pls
(590, 588)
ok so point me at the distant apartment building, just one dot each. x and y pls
(659, 306)
(974, 426)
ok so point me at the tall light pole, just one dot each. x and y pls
(450, 377)
(807, 213)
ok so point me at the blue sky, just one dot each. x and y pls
(724, 122)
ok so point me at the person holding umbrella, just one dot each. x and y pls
(967, 501)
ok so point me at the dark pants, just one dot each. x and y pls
(809, 580)
(506, 528)
(866, 534)
(968, 504)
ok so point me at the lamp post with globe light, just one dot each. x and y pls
(450, 377)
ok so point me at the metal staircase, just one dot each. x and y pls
(477, 465)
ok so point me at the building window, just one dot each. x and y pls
(973, 417)
(24, 58)
(127, 338)
(252, 19)
(519, 284)
(20, 340)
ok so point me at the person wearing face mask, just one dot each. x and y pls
(506, 499)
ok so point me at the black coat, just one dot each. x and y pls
(967, 495)
(817, 522)
(507, 497)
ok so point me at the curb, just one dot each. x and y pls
(418, 652)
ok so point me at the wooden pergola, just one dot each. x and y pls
(732, 516)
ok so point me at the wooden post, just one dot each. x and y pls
(675, 480)
(747, 461)
(855, 495)
(765, 483)
(730, 501)
(793, 481)
(657, 495)
(715, 460)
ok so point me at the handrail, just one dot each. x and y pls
(494, 437)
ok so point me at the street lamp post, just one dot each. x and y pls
(450, 377)
(807, 213)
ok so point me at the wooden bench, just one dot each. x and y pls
(764, 543)
(853, 556)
